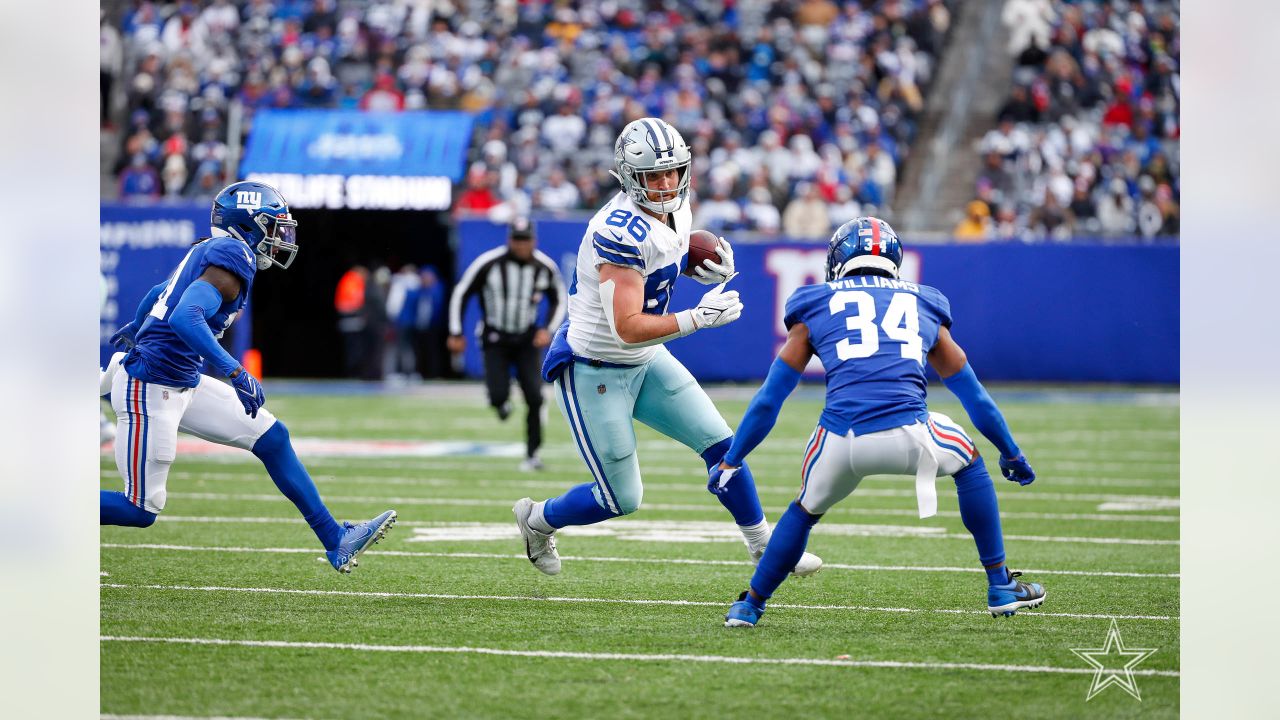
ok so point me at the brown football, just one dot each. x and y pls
(702, 247)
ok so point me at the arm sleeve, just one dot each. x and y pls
(557, 301)
(466, 287)
(982, 410)
(148, 302)
(190, 321)
(762, 413)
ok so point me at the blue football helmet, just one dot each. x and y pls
(863, 242)
(257, 214)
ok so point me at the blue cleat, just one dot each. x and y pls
(743, 613)
(357, 538)
(1012, 597)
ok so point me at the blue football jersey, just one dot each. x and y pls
(161, 356)
(872, 334)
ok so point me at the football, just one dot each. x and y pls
(702, 247)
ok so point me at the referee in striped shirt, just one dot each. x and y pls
(511, 282)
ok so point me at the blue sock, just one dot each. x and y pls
(578, 506)
(282, 463)
(981, 515)
(742, 501)
(115, 509)
(790, 536)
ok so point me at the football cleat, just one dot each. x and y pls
(743, 613)
(504, 411)
(357, 538)
(531, 464)
(539, 547)
(1008, 599)
(808, 565)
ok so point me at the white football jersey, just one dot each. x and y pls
(623, 234)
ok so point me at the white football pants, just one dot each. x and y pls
(149, 416)
(835, 465)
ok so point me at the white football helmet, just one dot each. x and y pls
(647, 145)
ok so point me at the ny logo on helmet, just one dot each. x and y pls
(248, 199)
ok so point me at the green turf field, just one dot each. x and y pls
(225, 606)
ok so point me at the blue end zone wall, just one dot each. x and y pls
(1080, 312)
(140, 245)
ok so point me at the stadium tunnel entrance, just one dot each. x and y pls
(295, 323)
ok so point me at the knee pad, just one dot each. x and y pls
(275, 439)
(629, 500)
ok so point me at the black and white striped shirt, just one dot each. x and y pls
(510, 291)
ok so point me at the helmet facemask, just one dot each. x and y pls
(279, 243)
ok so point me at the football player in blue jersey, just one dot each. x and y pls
(873, 333)
(157, 388)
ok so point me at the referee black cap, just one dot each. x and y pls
(521, 228)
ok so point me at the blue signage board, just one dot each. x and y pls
(1079, 312)
(352, 142)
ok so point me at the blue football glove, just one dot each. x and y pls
(124, 339)
(1017, 469)
(718, 483)
(249, 390)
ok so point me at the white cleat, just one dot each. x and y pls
(538, 546)
(808, 565)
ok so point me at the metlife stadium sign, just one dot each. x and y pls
(357, 160)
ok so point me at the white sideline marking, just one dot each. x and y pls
(583, 558)
(618, 601)
(480, 502)
(639, 657)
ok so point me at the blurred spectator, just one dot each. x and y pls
(384, 96)
(362, 315)
(718, 214)
(844, 209)
(760, 212)
(402, 310)
(1115, 210)
(558, 194)
(139, 179)
(110, 63)
(429, 324)
(1029, 26)
(806, 214)
(976, 225)
(478, 197)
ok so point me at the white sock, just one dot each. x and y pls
(757, 536)
(538, 521)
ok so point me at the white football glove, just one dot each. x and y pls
(716, 308)
(712, 273)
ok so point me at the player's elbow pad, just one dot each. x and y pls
(982, 409)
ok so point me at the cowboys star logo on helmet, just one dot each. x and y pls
(648, 147)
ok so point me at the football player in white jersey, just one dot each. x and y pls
(607, 361)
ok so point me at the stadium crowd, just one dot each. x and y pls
(807, 99)
(800, 113)
(1087, 142)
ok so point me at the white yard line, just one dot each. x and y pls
(576, 558)
(634, 657)
(607, 601)
(693, 486)
(481, 502)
